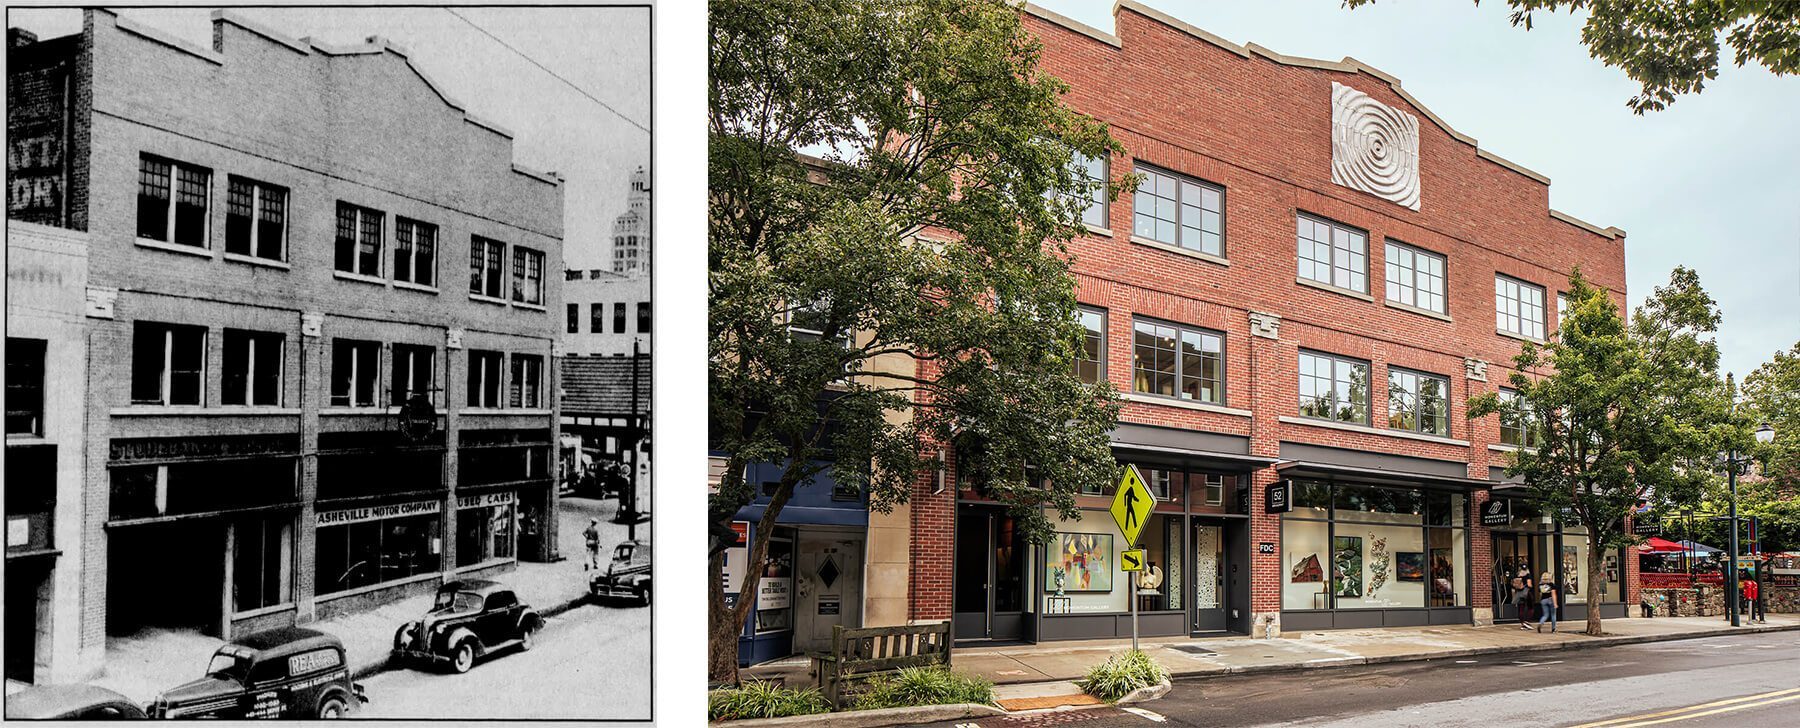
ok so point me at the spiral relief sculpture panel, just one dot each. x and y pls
(1374, 147)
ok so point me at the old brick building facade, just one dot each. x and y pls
(1314, 277)
(319, 331)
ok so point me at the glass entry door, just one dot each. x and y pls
(1511, 551)
(1211, 592)
(989, 593)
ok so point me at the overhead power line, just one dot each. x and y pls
(553, 74)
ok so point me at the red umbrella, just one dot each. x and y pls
(1659, 545)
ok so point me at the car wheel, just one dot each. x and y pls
(464, 658)
(528, 638)
(332, 708)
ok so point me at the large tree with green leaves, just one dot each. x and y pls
(1772, 394)
(1626, 412)
(1671, 47)
(906, 284)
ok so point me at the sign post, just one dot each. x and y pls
(1131, 505)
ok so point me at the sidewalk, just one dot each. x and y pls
(151, 661)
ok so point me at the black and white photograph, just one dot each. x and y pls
(328, 363)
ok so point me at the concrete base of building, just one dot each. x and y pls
(1483, 616)
(1266, 625)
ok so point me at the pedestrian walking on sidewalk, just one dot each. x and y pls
(1549, 598)
(1753, 595)
(592, 534)
(1523, 598)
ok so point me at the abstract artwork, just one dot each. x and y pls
(1085, 559)
(1571, 570)
(1378, 563)
(1346, 566)
(1307, 570)
(1374, 147)
(1442, 574)
(1409, 566)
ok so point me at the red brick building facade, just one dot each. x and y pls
(1245, 365)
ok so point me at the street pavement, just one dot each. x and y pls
(1737, 680)
(591, 662)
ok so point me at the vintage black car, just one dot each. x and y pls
(71, 702)
(468, 620)
(291, 672)
(627, 577)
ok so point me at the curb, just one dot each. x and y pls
(872, 718)
(385, 663)
(1147, 693)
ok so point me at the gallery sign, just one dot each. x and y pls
(1279, 497)
(1495, 513)
(376, 513)
(1646, 527)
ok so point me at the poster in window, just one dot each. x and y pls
(1347, 566)
(1409, 566)
(1379, 566)
(1571, 570)
(1083, 560)
(1610, 566)
(1443, 573)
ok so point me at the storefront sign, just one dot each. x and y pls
(1494, 513)
(774, 593)
(733, 573)
(1279, 497)
(1646, 527)
(829, 605)
(1265, 547)
(376, 513)
(486, 499)
(201, 448)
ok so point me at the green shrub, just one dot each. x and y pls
(924, 686)
(1121, 674)
(759, 699)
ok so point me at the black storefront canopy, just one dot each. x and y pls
(1174, 457)
(1378, 476)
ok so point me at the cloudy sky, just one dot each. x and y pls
(1712, 183)
(604, 51)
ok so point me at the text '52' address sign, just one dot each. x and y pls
(1279, 498)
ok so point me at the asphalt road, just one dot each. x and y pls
(573, 672)
(1745, 680)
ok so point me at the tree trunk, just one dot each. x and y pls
(1596, 585)
(726, 624)
(722, 630)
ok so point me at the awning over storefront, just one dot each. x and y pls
(1225, 454)
(1309, 469)
(1195, 459)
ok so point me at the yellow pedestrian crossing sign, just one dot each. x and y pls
(1131, 504)
(1132, 560)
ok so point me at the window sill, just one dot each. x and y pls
(500, 411)
(282, 607)
(366, 410)
(1097, 230)
(1184, 404)
(26, 438)
(1178, 250)
(1348, 427)
(1415, 309)
(478, 298)
(1334, 289)
(1521, 337)
(1503, 447)
(416, 287)
(529, 306)
(323, 598)
(188, 410)
(344, 275)
(174, 247)
(253, 260)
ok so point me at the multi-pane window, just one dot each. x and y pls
(255, 219)
(596, 318)
(1158, 482)
(574, 317)
(1176, 361)
(484, 266)
(172, 201)
(1518, 307)
(1334, 388)
(1090, 362)
(252, 368)
(415, 252)
(24, 386)
(1516, 424)
(1214, 489)
(168, 364)
(1332, 253)
(1180, 211)
(355, 368)
(1091, 177)
(484, 378)
(1418, 402)
(527, 381)
(358, 239)
(528, 276)
(1415, 277)
(413, 366)
(643, 316)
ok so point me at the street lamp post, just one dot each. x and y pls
(1733, 463)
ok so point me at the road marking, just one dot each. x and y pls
(1466, 662)
(968, 725)
(1772, 697)
(1535, 664)
(1141, 713)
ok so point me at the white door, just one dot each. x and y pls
(828, 589)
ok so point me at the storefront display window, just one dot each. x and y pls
(363, 548)
(261, 561)
(484, 528)
(775, 591)
(1365, 547)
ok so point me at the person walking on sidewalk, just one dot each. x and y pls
(1549, 598)
(1522, 596)
(592, 534)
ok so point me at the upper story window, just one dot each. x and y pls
(415, 252)
(1415, 277)
(643, 317)
(1517, 427)
(358, 239)
(24, 386)
(484, 379)
(1562, 307)
(173, 201)
(618, 317)
(1181, 211)
(596, 318)
(1418, 402)
(1091, 174)
(252, 368)
(1090, 362)
(808, 323)
(1176, 361)
(1334, 388)
(355, 368)
(1518, 307)
(528, 276)
(413, 372)
(168, 364)
(256, 219)
(527, 381)
(574, 316)
(1333, 254)
(484, 266)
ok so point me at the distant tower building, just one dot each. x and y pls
(631, 231)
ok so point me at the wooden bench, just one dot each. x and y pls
(860, 654)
